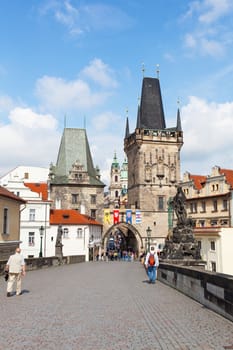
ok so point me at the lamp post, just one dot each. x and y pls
(41, 237)
(148, 232)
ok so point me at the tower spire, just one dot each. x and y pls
(127, 125)
(178, 122)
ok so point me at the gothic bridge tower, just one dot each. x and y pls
(153, 153)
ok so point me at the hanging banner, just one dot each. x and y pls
(129, 216)
(138, 217)
(116, 215)
(107, 218)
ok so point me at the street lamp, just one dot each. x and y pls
(148, 232)
(41, 237)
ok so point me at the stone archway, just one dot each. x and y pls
(130, 238)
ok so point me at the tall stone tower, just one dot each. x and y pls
(74, 183)
(115, 181)
(153, 152)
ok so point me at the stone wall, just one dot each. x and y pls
(213, 290)
(38, 263)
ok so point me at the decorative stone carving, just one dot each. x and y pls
(182, 244)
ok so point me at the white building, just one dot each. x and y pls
(216, 248)
(35, 213)
(79, 233)
(25, 174)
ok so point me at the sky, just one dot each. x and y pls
(80, 64)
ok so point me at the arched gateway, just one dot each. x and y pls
(123, 237)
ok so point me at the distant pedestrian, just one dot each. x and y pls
(16, 268)
(152, 263)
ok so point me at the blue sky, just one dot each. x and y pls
(81, 61)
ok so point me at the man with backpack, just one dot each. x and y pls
(152, 263)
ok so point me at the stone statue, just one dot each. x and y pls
(181, 245)
(178, 204)
(59, 245)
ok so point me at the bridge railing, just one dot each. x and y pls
(211, 289)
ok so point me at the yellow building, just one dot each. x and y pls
(9, 222)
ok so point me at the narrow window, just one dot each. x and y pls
(79, 233)
(93, 213)
(161, 203)
(66, 232)
(213, 266)
(93, 199)
(5, 221)
(31, 239)
(74, 198)
(32, 214)
(212, 245)
(215, 205)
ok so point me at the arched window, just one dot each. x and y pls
(116, 178)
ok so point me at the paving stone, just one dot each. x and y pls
(106, 306)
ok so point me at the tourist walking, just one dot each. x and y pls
(152, 263)
(16, 269)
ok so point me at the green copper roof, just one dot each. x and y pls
(74, 147)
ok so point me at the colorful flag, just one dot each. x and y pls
(116, 215)
(129, 216)
(138, 217)
(107, 219)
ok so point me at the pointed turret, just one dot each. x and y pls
(151, 114)
(178, 123)
(127, 127)
(115, 164)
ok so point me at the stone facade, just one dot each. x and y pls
(209, 203)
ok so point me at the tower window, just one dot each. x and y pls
(74, 198)
(93, 199)
(161, 203)
(116, 178)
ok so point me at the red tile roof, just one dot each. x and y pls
(5, 193)
(40, 188)
(199, 181)
(228, 174)
(70, 217)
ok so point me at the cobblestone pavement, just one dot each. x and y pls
(105, 306)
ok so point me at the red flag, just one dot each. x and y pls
(116, 216)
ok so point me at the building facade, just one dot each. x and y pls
(209, 202)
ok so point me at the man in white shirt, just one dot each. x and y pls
(152, 263)
(16, 268)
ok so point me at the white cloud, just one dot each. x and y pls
(56, 93)
(209, 36)
(106, 121)
(28, 138)
(101, 73)
(212, 10)
(207, 135)
(6, 103)
(86, 18)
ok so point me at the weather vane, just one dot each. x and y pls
(143, 69)
(157, 70)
